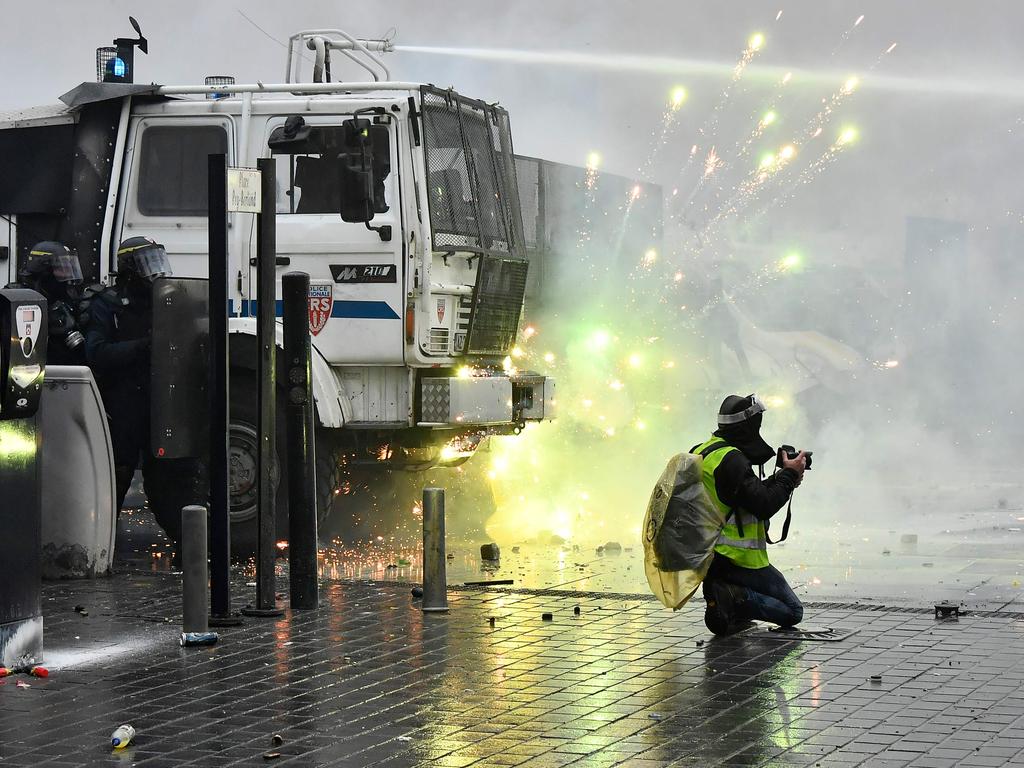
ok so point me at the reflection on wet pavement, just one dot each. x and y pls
(370, 680)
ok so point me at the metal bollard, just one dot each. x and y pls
(218, 388)
(266, 373)
(195, 577)
(302, 563)
(435, 579)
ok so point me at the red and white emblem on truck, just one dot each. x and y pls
(440, 310)
(321, 299)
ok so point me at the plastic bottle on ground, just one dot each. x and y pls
(120, 738)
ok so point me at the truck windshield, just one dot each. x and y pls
(474, 200)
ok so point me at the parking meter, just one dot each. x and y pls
(23, 336)
(22, 352)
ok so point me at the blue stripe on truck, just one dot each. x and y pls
(363, 310)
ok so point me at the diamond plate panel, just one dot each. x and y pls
(436, 405)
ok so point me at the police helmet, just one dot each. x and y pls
(142, 257)
(51, 259)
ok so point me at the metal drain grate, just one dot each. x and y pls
(819, 634)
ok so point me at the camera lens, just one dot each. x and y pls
(74, 340)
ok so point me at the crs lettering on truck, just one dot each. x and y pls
(321, 299)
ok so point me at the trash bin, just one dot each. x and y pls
(22, 366)
(79, 521)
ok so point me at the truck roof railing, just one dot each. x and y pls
(323, 41)
(310, 88)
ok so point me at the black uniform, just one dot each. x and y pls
(118, 349)
(53, 269)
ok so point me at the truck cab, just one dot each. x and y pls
(413, 310)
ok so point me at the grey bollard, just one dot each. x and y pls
(195, 582)
(435, 581)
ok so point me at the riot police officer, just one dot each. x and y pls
(118, 341)
(53, 270)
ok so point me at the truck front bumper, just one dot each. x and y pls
(448, 401)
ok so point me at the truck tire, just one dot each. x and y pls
(329, 479)
(243, 463)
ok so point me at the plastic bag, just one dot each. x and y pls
(680, 531)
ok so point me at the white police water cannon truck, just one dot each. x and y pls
(413, 313)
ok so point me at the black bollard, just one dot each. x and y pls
(217, 386)
(302, 565)
(266, 372)
(194, 577)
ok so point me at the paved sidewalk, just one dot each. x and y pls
(370, 680)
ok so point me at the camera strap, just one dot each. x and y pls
(785, 525)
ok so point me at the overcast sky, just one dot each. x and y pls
(938, 117)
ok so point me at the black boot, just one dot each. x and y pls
(719, 615)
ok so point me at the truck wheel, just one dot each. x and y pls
(242, 456)
(329, 478)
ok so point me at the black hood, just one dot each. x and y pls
(747, 437)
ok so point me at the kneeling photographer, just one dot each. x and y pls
(741, 584)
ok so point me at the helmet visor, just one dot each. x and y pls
(66, 268)
(152, 262)
(756, 407)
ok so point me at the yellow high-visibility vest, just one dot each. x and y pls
(749, 550)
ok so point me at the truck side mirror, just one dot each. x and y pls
(355, 184)
(362, 168)
(380, 150)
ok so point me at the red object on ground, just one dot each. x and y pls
(39, 672)
(4, 671)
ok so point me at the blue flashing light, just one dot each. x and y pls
(119, 67)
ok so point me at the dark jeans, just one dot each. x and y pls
(768, 596)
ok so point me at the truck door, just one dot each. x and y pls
(165, 192)
(356, 279)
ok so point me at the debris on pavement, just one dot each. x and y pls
(492, 582)
(277, 740)
(417, 592)
(122, 736)
(191, 639)
(547, 617)
(490, 552)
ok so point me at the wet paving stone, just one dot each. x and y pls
(369, 680)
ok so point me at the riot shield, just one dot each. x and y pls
(179, 403)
